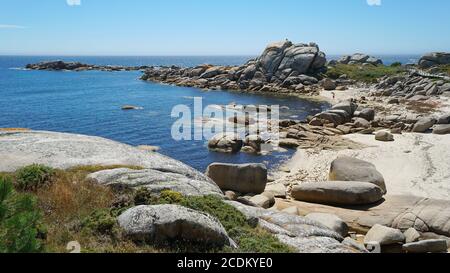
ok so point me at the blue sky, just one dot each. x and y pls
(221, 27)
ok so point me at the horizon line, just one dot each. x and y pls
(185, 55)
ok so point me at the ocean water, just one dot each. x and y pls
(90, 103)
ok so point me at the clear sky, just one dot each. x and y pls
(221, 27)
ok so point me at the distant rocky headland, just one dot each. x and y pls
(76, 66)
(286, 68)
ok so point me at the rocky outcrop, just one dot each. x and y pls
(245, 178)
(358, 58)
(412, 86)
(225, 143)
(154, 181)
(396, 211)
(282, 67)
(338, 193)
(64, 151)
(306, 236)
(352, 169)
(434, 58)
(164, 224)
(77, 66)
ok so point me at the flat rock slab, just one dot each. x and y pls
(338, 193)
(427, 246)
(396, 211)
(64, 151)
(155, 181)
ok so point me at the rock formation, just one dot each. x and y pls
(283, 66)
(358, 58)
(434, 58)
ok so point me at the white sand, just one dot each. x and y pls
(417, 164)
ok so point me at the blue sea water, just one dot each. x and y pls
(90, 103)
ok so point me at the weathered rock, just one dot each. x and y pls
(155, 181)
(171, 223)
(64, 151)
(434, 58)
(352, 243)
(225, 143)
(278, 190)
(411, 235)
(338, 193)
(384, 235)
(384, 136)
(330, 221)
(288, 143)
(347, 106)
(423, 125)
(302, 234)
(291, 210)
(328, 84)
(443, 129)
(246, 178)
(361, 59)
(427, 246)
(263, 200)
(397, 211)
(230, 195)
(361, 123)
(254, 141)
(352, 169)
(444, 119)
(367, 114)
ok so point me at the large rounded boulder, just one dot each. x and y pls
(244, 178)
(352, 169)
(164, 224)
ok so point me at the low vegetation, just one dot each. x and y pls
(249, 238)
(43, 209)
(364, 73)
(20, 221)
(444, 69)
(33, 177)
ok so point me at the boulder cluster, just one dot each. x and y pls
(282, 67)
(347, 117)
(412, 87)
(77, 66)
(357, 59)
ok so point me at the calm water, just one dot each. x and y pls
(90, 103)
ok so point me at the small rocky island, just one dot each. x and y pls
(370, 171)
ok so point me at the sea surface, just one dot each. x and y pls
(90, 103)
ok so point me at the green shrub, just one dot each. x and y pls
(228, 215)
(19, 221)
(257, 241)
(250, 240)
(396, 64)
(33, 177)
(364, 73)
(100, 221)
